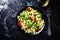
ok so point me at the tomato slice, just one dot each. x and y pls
(34, 14)
(28, 9)
(30, 18)
(19, 23)
(36, 30)
(34, 19)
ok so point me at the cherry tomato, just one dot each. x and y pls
(36, 30)
(28, 9)
(19, 23)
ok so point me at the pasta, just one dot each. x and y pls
(30, 20)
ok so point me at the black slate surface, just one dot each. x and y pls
(7, 19)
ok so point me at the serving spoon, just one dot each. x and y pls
(49, 29)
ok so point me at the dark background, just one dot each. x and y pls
(15, 34)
